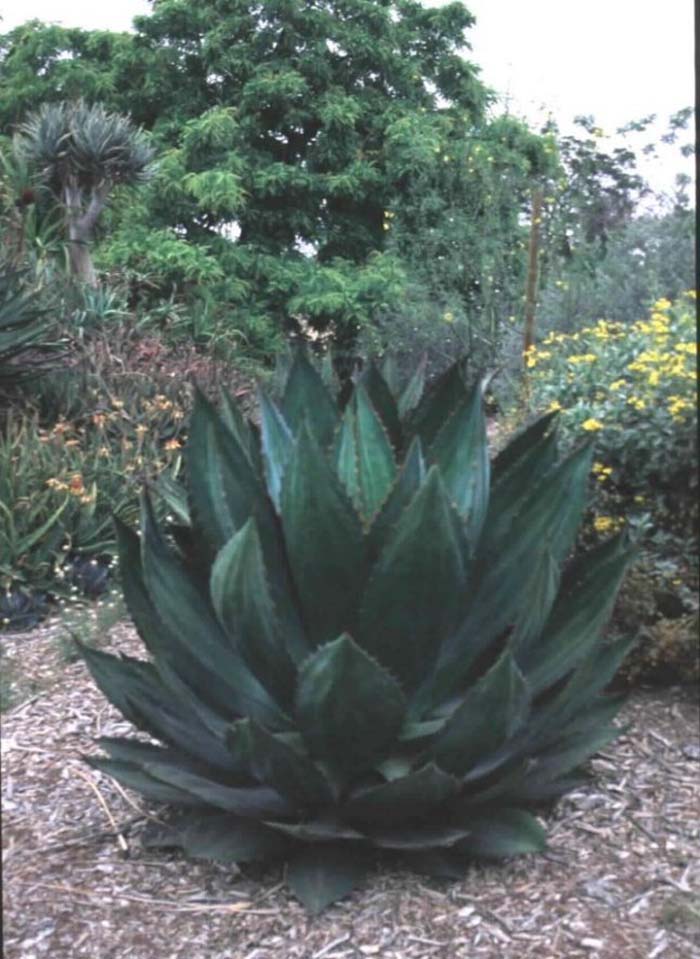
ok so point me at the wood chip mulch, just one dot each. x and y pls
(621, 879)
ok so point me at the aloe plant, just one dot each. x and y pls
(370, 641)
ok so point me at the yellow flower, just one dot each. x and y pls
(554, 406)
(600, 469)
(686, 348)
(448, 317)
(692, 294)
(56, 484)
(603, 523)
(636, 403)
(640, 499)
(141, 429)
(662, 304)
(617, 384)
(591, 425)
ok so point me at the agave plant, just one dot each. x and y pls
(364, 644)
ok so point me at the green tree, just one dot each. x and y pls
(82, 153)
(287, 130)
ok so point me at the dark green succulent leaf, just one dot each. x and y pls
(306, 398)
(241, 429)
(568, 755)
(505, 575)
(418, 837)
(411, 731)
(574, 626)
(423, 563)
(348, 708)
(375, 460)
(346, 458)
(390, 374)
(241, 597)
(408, 482)
(219, 836)
(133, 777)
(491, 713)
(321, 874)
(512, 488)
(438, 404)
(413, 392)
(544, 586)
(205, 693)
(460, 449)
(279, 765)
(322, 830)
(383, 403)
(520, 446)
(225, 491)
(277, 443)
(136, 690)
(502, 833)
(412, 796)
(542, 792)
(324, 541)
(253, 802)
(187, 613)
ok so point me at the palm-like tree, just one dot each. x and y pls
(83, 152)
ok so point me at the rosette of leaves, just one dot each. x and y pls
(369, 640)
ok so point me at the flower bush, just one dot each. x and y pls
(61, 485)
(634, 387)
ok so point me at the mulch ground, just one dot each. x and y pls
(621, 879)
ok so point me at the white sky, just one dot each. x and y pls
(616, 59)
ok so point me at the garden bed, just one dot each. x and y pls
(621, 878)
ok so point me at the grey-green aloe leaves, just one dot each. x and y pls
(372, 641)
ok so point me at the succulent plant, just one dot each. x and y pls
(370, 640)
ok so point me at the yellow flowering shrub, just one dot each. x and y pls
(633, 389)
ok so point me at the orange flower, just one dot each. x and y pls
(76, 484)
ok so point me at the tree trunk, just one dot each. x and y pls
(533, 269)
(80, 229)
(81, 265)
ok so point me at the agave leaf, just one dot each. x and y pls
(253, 802)
(186, 612)
(277, 444)
(423, 564)
(502, 833)
(572, 753)
(501, 588)
(460, 450)
(519, 446)
(410, 797)
(375, 459)
(379, 395)
(413, 391)
(241, 598)
(321, 874)
(324, 541)
(349, 709)
(346, 462)
(306, 397)
(408, 482)
(241, 429)
(574, 626)
(491, 713)
(544, 586)
(324, 830)
(438, 404)
(418, 837)
(169, 652)
(133, 777)
(221, 837)
(390, 374)
(277, 764)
